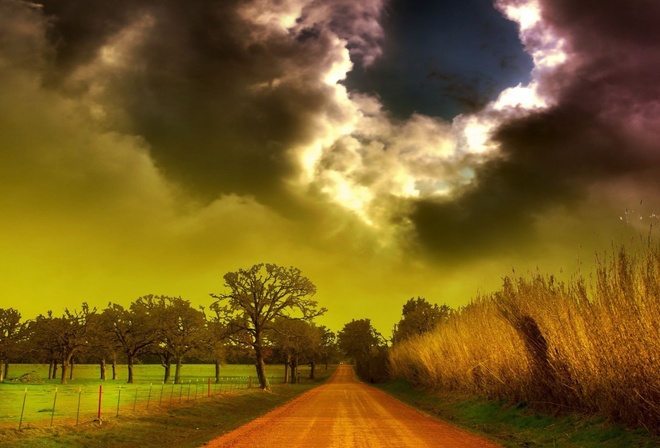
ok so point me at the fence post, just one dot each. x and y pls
(100, 399)
(208, 390)
(118, 400)
(78, 410)
(20, 422)
(250, 383)
(135, 399)
(149, 397)
(52, 413)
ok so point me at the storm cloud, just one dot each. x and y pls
(171, 142)
(601, 128)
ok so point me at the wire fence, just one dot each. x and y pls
(48, 405)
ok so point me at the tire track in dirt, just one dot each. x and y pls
(345, 413)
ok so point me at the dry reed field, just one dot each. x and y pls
(587, 345)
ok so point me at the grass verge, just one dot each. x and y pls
(517, 426)
(185, 426)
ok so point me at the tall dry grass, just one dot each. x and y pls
(588, 345)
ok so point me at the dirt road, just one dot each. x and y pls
(344, 413)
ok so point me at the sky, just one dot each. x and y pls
(388, 149)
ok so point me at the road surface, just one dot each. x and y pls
(344, 413)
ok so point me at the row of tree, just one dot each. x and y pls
(267, 309)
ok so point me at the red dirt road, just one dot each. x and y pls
(344, 413)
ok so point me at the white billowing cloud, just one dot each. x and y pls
(362, 156)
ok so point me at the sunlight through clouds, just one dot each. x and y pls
(421, 157)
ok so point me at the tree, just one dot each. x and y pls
(328, 351)
(11, 332)
(65, 336)
(103, 344)
(215, 341)
(360, 342)
(260, 294)
(42, 331)
(419, 317)
(181, 330)
(297, 340)
(134, 329)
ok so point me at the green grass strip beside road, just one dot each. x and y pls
(190, 425)
(516, 426)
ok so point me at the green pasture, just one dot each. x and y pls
(79, 400)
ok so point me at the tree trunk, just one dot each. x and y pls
(6, 370)
(129, 360)
(50, 370)
(312, 370)
(166, 362)
(114, 366)
(2, 371)
(287, 361)
(217, 372)
(260, 364)
(294, 370)
(65, 370)
(177, 371)
(71, 370)
(103, 369)
(55, 364)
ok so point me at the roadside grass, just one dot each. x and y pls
(190, 424)
(516, 425)
(587, 345)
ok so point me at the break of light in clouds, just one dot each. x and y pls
(150, 147)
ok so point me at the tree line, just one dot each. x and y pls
(266, 312)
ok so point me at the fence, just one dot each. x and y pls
(41, 405)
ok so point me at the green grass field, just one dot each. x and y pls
(186, 425)
(78, 401)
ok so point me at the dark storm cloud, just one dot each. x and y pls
(220, 99)
(603, 127)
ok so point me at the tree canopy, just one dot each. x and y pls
(418, 317)
(255, 297)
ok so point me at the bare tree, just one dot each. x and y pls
(257, 296)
